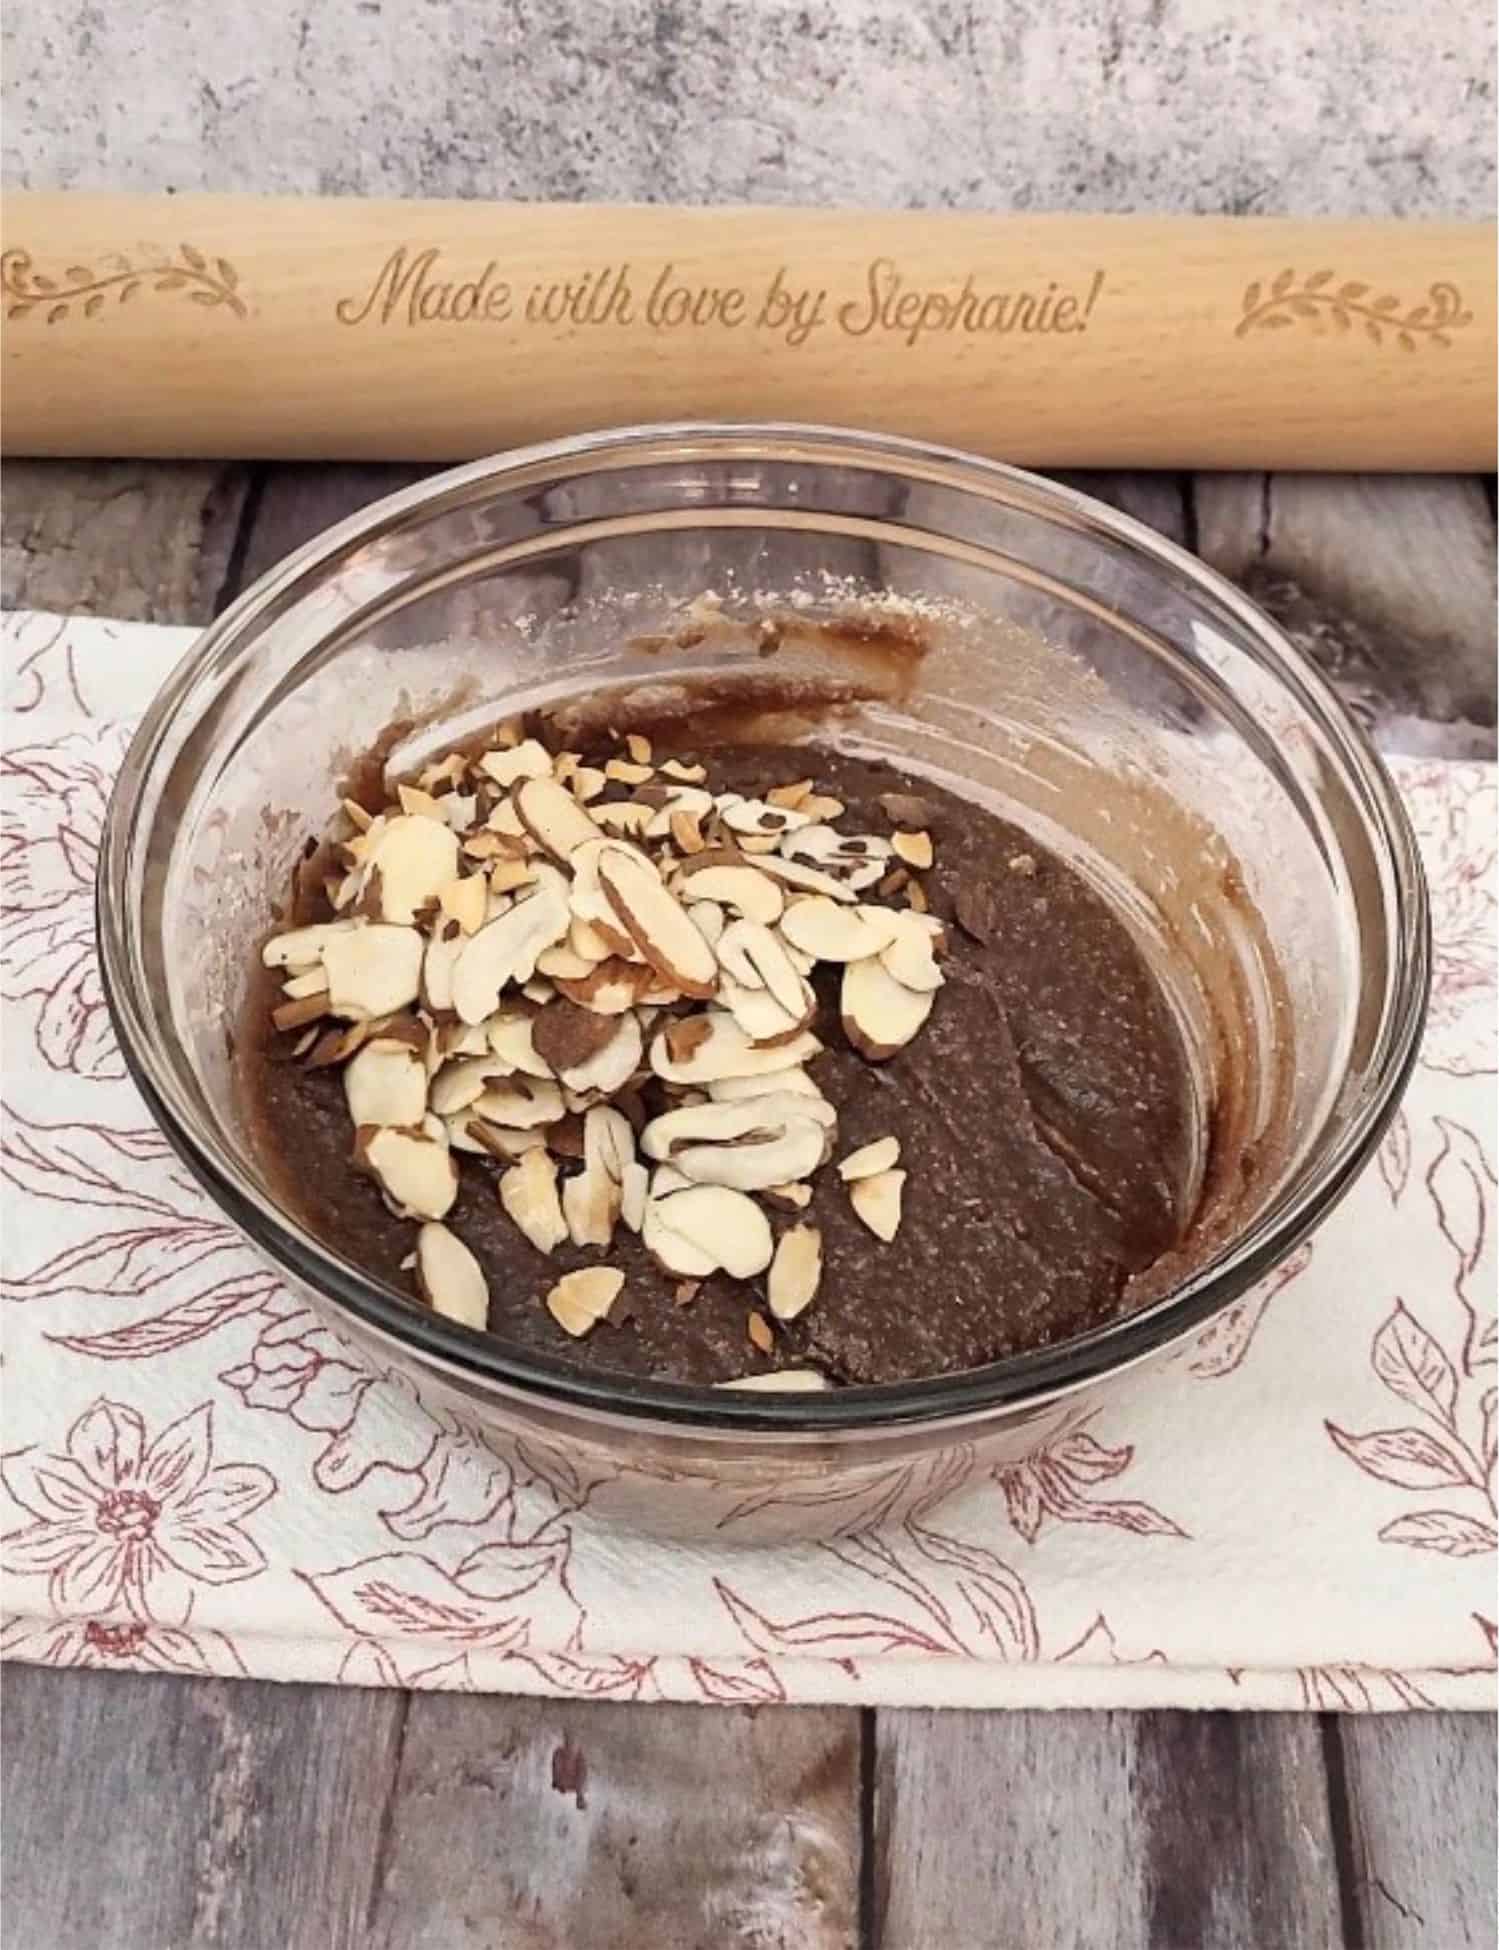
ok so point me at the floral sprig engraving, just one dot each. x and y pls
(208, 282)
(1328, 305)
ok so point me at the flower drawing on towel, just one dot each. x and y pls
(124, 1522)
(1054, 1482)
(52, 804)
(1461, 1183)
(1449, 1454)
(136, 1647)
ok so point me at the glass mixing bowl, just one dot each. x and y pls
(1039, 652)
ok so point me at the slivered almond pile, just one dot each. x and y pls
(525, 943)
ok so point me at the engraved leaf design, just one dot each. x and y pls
(1387, 303)
(1406, 342)
(206, 297)
(56, 313)
(1282, 284)
(173, 281)
(1440, 338)
(128, 291)
(194, 257)
(1352, 291)
(43, 284)
(1318, 278)
(1341, 319)
(1418, 315)
(1374, 332)
(1303, 308)
(20, 310)
(94, 306)
(1447, 1531)
(1276, 320)
(1410, 1459)
(227, 273)
(1251, 295)
(80, 274)
(1413, 1366)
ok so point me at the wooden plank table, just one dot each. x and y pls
(152, 1813)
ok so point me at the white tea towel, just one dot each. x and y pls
(202, 1477)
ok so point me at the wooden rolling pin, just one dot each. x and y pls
(317, 328)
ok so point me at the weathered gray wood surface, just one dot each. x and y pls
(153, 1814)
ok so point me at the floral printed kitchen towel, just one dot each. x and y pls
(199, 1476)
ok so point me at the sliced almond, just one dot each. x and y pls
(726, 1226)
(914, 848)
(589, 943)
(880, 1015)
(438, 962)
(750, 893)
(336, 1045)
(373, 970)
(415, 858)
(759, 1014)
(386, 1083)
(910, 956)
(528, 760)
(916, 898)
(611, 988)
(359, 817)
(678, 768)
(561, 961)
(639, 747)
(633, 1191)
(753, 955)
(505, 876)
(686, 833)
(722, 1049)
(793, 1082)
(459, 809)
(507, 822)
(795, 1272)
(301, 1010)
(519, 1102)
(822, 806)
(870, 1159)
(611, 1064)
(415, 1172)
(625, 817)
(505, 950)
(463, 901)
(858, 860)
(449, 1278)
(790, 796)
(467, 1132)
(587, 783)
(760, 1142)
(759, 1333)
(757, 820)
(709, 919)
(590, 1203)
(829, 932)
(314, 982)
(627, 773)
(805, 879)
(554, 818)
(302, 947)
(511, 1034)
(686, 800)
(461, 1083)
(657, 922)
(579, 1301)
(796, 1198)
(783, 1381)
(877, 1202)
(419, 804)
(528, 1192)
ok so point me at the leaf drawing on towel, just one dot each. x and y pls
(940, 1595)
(1394, 1156)
(1222, 1345)
(1054, 1481)
(52, 806)
(124, 1523)
(135, 1229)
(42, 665)
(1461, 1182)
(1098, 1646)
(1455, 1454)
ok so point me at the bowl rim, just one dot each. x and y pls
(474, 1357)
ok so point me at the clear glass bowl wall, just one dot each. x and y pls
(1077, 673)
